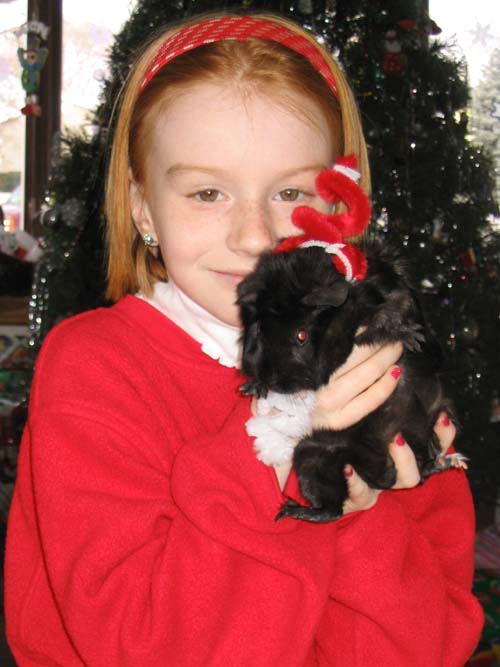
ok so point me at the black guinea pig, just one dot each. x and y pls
(301, 319)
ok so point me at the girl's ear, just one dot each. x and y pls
(139, 208)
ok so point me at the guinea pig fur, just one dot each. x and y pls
(301, 319)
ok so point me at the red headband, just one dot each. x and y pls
(240, 28)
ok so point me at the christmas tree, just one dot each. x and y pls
(432, 189)
(486, 113)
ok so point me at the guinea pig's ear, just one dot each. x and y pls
(327, 295)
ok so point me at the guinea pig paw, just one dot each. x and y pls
(293, 510)
(413, 337)
(447, 461)
(457, 460)
(250, 388)
(287, 510)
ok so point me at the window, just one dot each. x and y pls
(12, 122)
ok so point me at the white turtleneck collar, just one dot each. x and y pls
(218, 339)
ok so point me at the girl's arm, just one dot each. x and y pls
(143, 533)
(401, 594)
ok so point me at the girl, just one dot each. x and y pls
(142, 530)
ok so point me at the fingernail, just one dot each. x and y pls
(445, 420)
(399, 440)
(396, 372)
(348, 471)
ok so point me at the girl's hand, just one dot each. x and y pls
(362, 497)
(358, 387)
(362, 384)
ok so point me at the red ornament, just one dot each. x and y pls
(32, 109)
(394, 62)
(468, 259)
(407, 24)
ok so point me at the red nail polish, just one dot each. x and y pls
(445, 421)
(396, 372)
(348, 471)
(399, 440)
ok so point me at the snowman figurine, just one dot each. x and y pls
(32, 60)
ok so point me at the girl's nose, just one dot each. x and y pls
(252, 231)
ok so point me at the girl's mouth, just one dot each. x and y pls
(232, 278)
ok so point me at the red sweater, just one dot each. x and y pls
(142, 528)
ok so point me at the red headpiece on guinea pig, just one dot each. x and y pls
(329, 230)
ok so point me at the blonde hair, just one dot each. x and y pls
(273, 69)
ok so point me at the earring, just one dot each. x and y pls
(149, 240)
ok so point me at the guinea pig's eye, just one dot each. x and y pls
(301, 336)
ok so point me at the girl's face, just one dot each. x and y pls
(224, 174)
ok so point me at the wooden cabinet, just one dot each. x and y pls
(14, 310)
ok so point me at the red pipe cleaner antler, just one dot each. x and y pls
(333, 185)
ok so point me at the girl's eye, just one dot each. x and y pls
(301, 337)
(208, 195)
(290, 194)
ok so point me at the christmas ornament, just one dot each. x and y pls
(437, 232)
(394, 62)
(330, 8)
(32, 60)
(36, 27)
(481, 34)
(495, 409)
(305, 7)
(50, 198)
(492, 271)
(20, 245)
(407, 24)
(468, 259)
(50, 216)
(72, 212)
(467, 331)
(427, 286)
